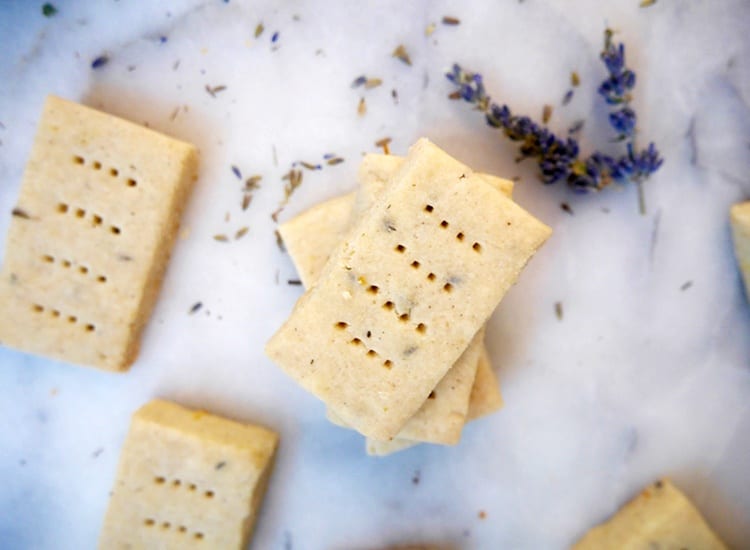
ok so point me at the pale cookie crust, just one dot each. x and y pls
(739, 216)
(187, 479)
(97, 214)
(660, 517)
(423, 270)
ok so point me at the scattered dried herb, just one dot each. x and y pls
(362, 107)
(196, 307)
(686, 285)
(451, 21)
(359, 81)
(279, 241)
(559, 311)
(221, 238)
(212, 91)
(48, 10)
(251, 183)
(401, 54)
(546, 113)
(236, 172)
(430, 29)
(20, 213)
(293, 282)
(241, 232)
(577, 127)
(575, 80)
(383, 143)
(647, 3)
(567, 97)
(220, 465)
(565, 207)
(334, 161)
(99, 62)
(259, 28)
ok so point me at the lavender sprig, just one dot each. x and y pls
(558, 158)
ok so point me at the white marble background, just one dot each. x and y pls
(641, 378)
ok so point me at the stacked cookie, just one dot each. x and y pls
(401, 277)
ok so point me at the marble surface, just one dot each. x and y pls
(647, 374)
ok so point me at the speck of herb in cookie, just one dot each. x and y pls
(241, 232)
(236, 172)
(559, 311)
(195, 307)
(221, 238)
(362, 107)
(401, 54)
(99, 62)
(213, 90)
(48, 9)
(293, 282)
(451, 21)
(20, 213)
(259, 29)
(546, 113)
(565, 207)
(383, 144)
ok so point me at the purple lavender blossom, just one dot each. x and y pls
(558, 159)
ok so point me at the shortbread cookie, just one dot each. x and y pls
(739, 216)
(187, 479)
(660, 517)
(97, 214)
(309, 239)
(421, 272)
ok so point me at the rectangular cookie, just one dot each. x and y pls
(309, 239)
(187, 479)
(739, 216)
(91, 235)
(422, 271)
(659, 517)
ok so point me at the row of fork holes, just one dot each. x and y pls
(96, 165)
(447, 287)
(165, 526)
(371, 353)
(177, 483)
(72, 319)
(96, 219)
(82, 269)
(444, 224)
